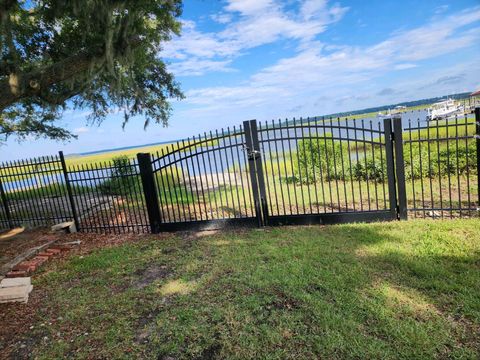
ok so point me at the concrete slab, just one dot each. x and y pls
(20, 281)
(67, 226)
(15, 293)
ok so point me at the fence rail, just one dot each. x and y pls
(302, 171)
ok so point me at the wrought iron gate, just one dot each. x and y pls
(323, 172)
(201, 182)
(309, 171)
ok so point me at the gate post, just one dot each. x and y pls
(5, 205)
(392, 187)
(256, 171)
(69, 191)
(477, 137)
(400, 168)
(149, 191)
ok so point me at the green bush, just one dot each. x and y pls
(369, 169)
(317, 159)
(444, 161)
(122, 179)
(320, 158)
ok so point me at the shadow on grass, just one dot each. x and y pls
(341, 291)
(384, 290)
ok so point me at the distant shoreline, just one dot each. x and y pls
(120, 148)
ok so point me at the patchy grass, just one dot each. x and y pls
(383, 290)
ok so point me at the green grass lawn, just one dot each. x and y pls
(383, 290)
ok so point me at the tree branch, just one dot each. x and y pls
(18, 86)
(22, 85)
(6, 5)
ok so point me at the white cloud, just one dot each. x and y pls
(440, 9)
(249, 7)
(221, 18)
(196, 66)
(81, 130)
(249, 23)
(319, 69)
(195, 43)
(405, 66)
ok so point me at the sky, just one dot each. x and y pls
(238, 60)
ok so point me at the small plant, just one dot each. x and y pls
(451, 159)
(122, 177)
(369, 169)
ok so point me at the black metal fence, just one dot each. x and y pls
(32, 193)
(302, 171)
(441, 164)
(108, 196)
(319, 170)
(204, 181)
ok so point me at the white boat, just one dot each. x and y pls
(390, 113)
(444, 109)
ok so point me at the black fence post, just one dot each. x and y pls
(69, 191)
(477, 137)
(5, 205)
(150, 191)
(256, 171)
(400, 168)
(392, 187)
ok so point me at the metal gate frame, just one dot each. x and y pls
(395, 176)
(154, 210)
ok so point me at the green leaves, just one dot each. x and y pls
(100, 55)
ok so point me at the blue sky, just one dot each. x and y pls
(265, 59)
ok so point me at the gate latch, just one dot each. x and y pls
(252, 154)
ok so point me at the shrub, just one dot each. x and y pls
(320, 158)
(122, 177)
(369, 169)
(441, 162)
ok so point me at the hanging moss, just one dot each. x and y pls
(94, 54)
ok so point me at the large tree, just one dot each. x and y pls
(101, 55)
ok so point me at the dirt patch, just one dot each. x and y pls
(283, 302)
(211, 352)
(150, 274)
(146, 326)
(16, 320)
